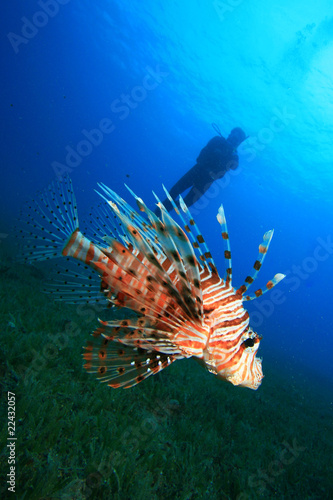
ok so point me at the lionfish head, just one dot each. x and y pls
(250, 365)
(244, 369)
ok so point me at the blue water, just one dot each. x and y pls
(152, 76)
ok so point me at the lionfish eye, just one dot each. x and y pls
(248, 343)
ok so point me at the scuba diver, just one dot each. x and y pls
(214, 160)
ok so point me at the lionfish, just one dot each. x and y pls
(177, 305)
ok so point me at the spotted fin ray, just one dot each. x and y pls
(121, 365)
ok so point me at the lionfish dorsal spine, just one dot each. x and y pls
(182, 288)
(263, 248)
(225, 236)
(178, 250)
(205, 260)
(199, 242)
(269, 285)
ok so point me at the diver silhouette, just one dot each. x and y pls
(214, 160)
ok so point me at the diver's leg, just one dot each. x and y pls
(184, 183)
(197, 191)
(181, 185)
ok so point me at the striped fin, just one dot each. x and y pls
(263, 248)
(195, 246)
(178, 249)
(123, 366)
(159, 332)
(123, 275)
(269, 285)
(172, 201)
(127, 282)
(199, 243)
(180, 252)
(129, 217)
(174, 206)
(134, 285)
(142, 244)
(205, 263)
(189, 261)
(49, 220)
(225, 235)
(144, 331)
(203, 268)
(127, 210)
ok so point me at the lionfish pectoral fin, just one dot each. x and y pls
(269, 285)
(122, 365)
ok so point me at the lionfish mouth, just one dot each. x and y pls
(176, 305)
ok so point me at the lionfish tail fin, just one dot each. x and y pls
(47, 220)
(269, 285)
